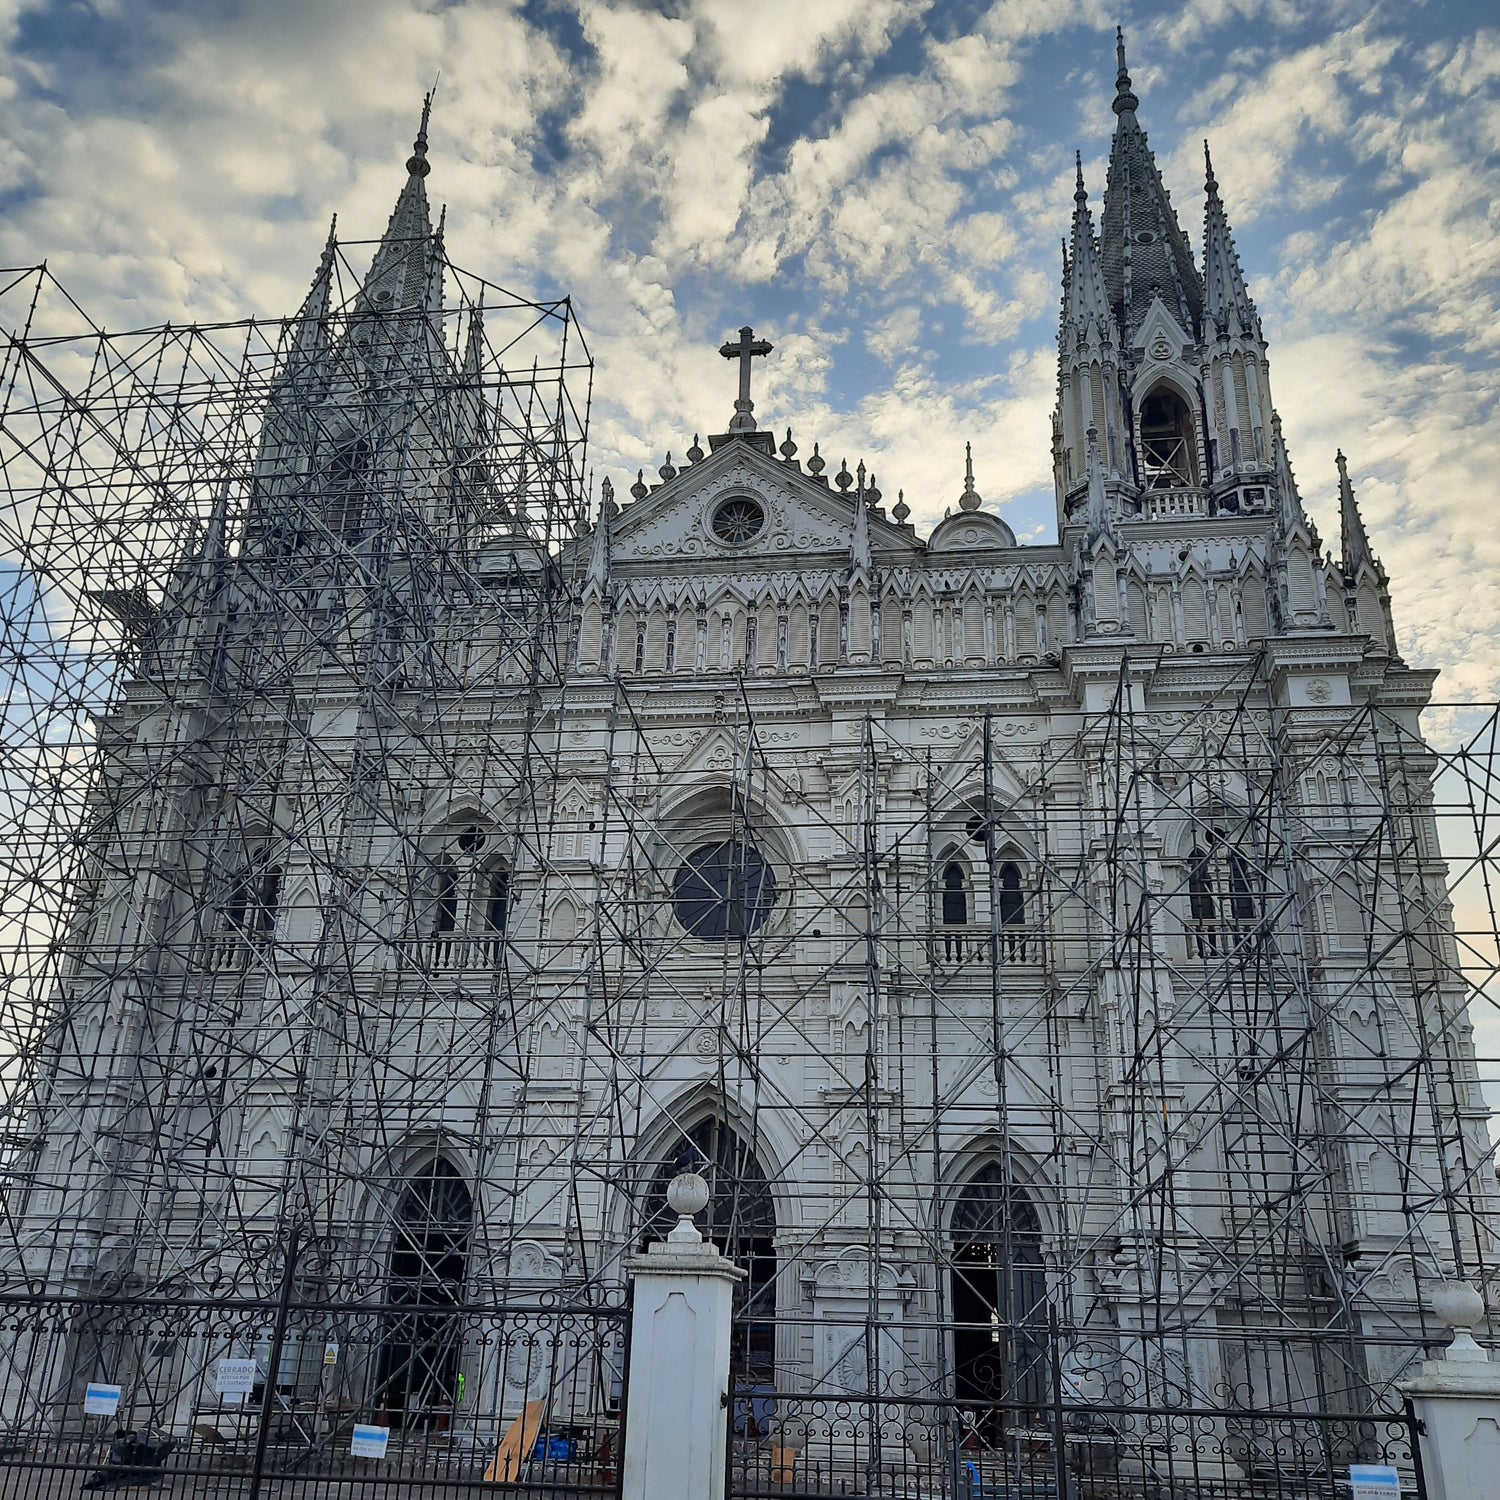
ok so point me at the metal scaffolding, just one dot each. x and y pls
(345, 1007)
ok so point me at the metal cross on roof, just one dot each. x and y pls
(746, 349)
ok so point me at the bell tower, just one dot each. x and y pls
(1164, 361)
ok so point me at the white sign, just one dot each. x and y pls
(235, 1377)
(330, 1354)
(369, 1442)
(101, 1400)
(1374, 1482)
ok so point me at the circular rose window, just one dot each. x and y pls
(738, 519)
(724, 890)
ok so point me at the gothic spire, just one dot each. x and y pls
(1086, 312)
(1356, 544)
(306, 360)
(1226, 298)
(1144, 250)
(402, 273)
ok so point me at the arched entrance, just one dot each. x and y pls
(999, 1292)
(741, 1221)
(417, 1373)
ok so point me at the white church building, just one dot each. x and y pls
(1043, 949)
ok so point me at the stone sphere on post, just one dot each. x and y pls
(687, 1194)
(1461, 1307)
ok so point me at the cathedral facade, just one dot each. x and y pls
(1043, 949)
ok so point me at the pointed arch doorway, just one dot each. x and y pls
(998, 1287)
(417, 1372)
(741, 1221)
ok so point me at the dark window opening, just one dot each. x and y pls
(1012, 910)
(348, 483)
(1167, 442)
(955, 896)
(1223, 896)
(498, 900)
(248, 913)
(724, 890)
(445, 906)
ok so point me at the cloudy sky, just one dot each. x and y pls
(878, 185)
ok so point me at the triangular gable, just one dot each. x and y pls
(802, 516)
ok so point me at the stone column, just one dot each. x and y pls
(1457, 1402)
(676, 1419)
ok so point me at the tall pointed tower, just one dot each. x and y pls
(1163, 374)
(1167, 363)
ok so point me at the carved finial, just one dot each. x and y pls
(817, 463)
(638, 490)
(695, 453)
(843, 478)
(1125, 100)
(969, 500)
(788, 449)
(1210, 183)
(607, 498)
(667, 471)
(860, 478)
(901, 510)
(1080, 193)
(417, 163)
(872, 493)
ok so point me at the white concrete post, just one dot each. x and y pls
(1457, 1402)
(675, 1405)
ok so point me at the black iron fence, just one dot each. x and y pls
(789, 1446)
(285, 1398)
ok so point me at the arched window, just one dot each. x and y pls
(247, 916)
(496, 910)
(955, 895)
(741, 1221)
(1224, 895)
(468, 901)
(999, 1299)
(1168, 442)
(417, 1367)
(1012, 910)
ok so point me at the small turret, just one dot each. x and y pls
(1367, 595)
(1227, 303)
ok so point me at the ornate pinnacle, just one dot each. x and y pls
(1125, 100)
(417, 163)
(969, 500)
